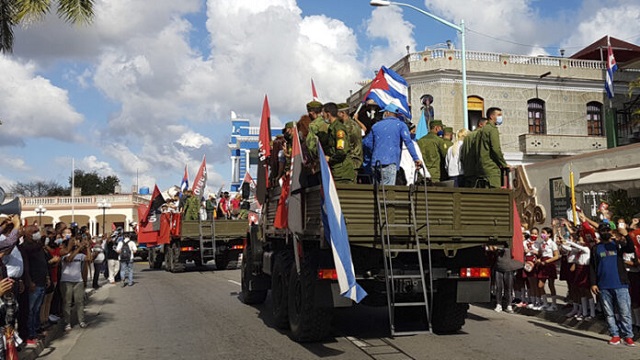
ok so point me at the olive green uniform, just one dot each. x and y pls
(319, 128)
(338, 153)
(433, 155)
(490, 155)
(191, 208)
(469, 158)
(447, 145)
(355, 143)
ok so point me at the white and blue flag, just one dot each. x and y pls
(612, 66)
(335, 229)
(390, 88)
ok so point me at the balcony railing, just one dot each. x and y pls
(537, 144)
(64, 201)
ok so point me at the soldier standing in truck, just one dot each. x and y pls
(337, 150)
(489, 150)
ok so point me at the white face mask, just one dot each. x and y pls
(58, 241)
(499, 120)
(36, 236)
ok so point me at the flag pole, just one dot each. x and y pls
(73, 185)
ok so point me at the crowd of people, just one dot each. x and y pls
(45, 270)
(194, 208)
(599, 260)
(381, 143)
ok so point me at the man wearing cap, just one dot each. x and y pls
(338, 147)
(433, 152)
(469, 155)
(384, 142)
(489, 150)
(318, 127)
(355, 136)
(448, 137)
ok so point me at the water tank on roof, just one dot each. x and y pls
(144, 190)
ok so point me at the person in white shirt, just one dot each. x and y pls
(530, 271)
(580, 279)
(126, 260)
(549, 254)
(452, 161)
(71, 282)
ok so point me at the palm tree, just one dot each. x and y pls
(14, 12)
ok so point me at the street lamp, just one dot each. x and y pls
(460, 29)
(40, 210)
(104, 205)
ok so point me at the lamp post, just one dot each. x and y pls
(104, 205)
(461, 30)
(40, 210)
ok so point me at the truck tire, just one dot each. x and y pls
(222, 261)
(168, 258)
(308, 323)
(177, 266)
(249, 296)
(280, 288)
(155, 259)
(448, 315)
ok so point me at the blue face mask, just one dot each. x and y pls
(499, 120)
(413, 136)
(441, 133)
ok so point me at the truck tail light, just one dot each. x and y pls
(237, 247)
(475, 272)
(327, 274)
(187, 248)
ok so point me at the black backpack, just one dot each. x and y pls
(125, 252)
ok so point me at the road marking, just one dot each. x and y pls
(234, 282)
(375, 348)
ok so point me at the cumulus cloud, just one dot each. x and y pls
(193, 140)
(30, 106)
(387, 23)
(92, 164)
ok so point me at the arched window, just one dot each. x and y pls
(594, 119)
(537, 117)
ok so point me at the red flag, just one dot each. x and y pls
(200, 182)
(264, 148)
(282, 215)
(156, 201)
(294, 203)
(113, 227)
(248, 179)
(313, 91)
(517, 250)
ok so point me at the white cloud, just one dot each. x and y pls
(30, 106)
(92, 164)
(13, 163)
(388, 24)
(193, 140)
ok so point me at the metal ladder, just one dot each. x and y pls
(207, 231)
(384, 204)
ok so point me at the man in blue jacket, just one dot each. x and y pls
(609, 280)
(385, 143)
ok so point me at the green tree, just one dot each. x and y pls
(38, 188)
(15, 12)
(93, 184)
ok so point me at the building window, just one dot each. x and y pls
(537, 118)
(594, 119)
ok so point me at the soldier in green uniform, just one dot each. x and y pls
(433, 152)
(288, 133)
(318, 128)
(489, 150)
(355, 135)
(448, 138)
(337, 150)
(191, 206)
(469, 155)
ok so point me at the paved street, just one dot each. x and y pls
(197, 315)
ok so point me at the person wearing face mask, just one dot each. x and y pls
(38, 279)
(489, 150)
(549, 254)
(47, 312)
(433, 151)
(530, 271)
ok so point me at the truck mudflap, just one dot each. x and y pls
(473, 291)
(327, 294)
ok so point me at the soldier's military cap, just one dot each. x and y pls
(448, 130)
(314, 105)
(343, 107)
(436, 123)
(289, 125)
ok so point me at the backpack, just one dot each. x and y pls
(125, 252)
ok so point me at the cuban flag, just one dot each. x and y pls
(390, 88)
(184, 185)
(335, 229)
(611, 68)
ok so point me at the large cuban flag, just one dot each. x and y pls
(335, 229)
(390, 88)
(612, 66)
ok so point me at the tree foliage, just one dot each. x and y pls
(39, 188)
(15, 12)
(93, 184)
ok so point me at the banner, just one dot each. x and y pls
(200, 182)
(264, 148)
(154, 205)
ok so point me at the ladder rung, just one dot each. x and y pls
(400, 225)
(417, 276)
(409, 333)
(397, 202)
(403, 250)
(409, 304)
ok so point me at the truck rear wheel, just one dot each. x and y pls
(176, 265)
(247, 276)
(155, 259)
(308, 323)
(280, 288)
(222, 261)
(168, 258)
(448, 315)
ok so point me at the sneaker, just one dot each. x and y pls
(67, 327)
(521, 304)
(34, 342)
(83, 324)
(124, 284)
(616, 340)
(629, 342)
(498, 308)
(588, 318)
(530, 306)
(552, 308)
(579, 317)
(54, 319)
(538, 307)
(509, 309)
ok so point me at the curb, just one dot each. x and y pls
(597, 325)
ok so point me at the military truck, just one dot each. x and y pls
(418, 250)
(179, 241)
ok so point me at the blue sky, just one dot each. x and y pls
(146, 90)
